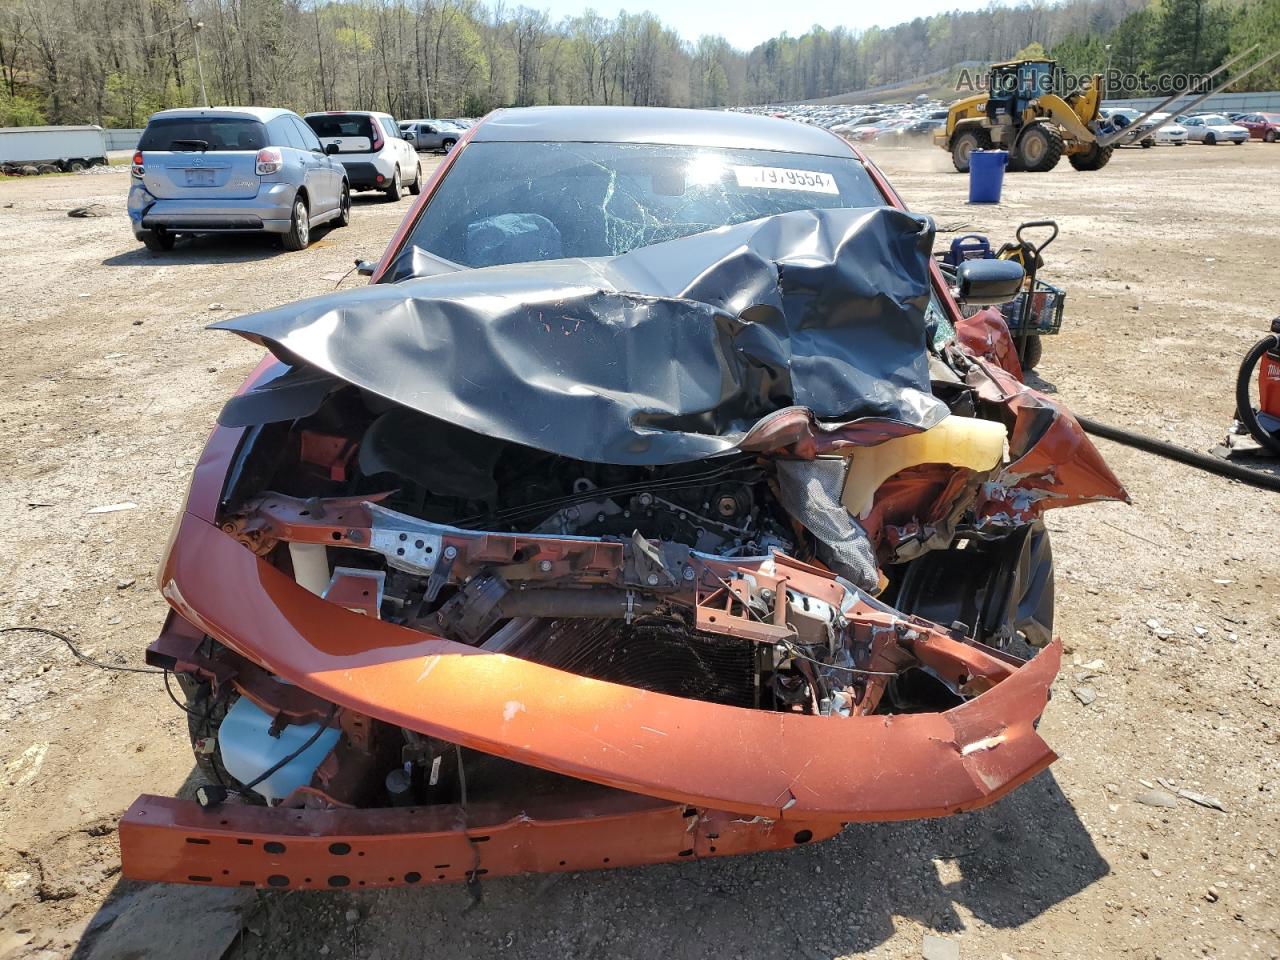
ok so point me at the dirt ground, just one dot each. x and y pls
(1170, 610)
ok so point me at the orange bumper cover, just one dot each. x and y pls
(755, 763)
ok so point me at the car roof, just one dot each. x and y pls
(335, 113)
(264, 114)
(662, 125)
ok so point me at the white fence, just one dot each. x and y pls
(122, 139)
(1267, 102)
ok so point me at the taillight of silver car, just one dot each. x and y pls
(136, 168)
(270, 160)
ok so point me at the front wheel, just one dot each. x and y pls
(299, 235)
(415, 188)
(1238, 143)
(393, 189)
(157, 241)
(1210, 140)
(1040, 148)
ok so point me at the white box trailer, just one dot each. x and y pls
(36, 149)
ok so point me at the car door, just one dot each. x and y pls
(1252, 123)
(404, 150)
(328, 173)
(314, 177)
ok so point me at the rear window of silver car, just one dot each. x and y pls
(514, 202)
(204, 133)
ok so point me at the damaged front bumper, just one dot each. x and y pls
(164, 839)
(658, 777)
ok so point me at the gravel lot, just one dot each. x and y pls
(1170, 610)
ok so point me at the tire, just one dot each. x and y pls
(1244, 403)
(204, 717)
(1095, 158)
(447, 145)
(1238, 143)
(1147, 144)
(964, 143)
(1210, 140)
(157, 241)
(299, 235)
(75, 166)
(1032, 352)
(344, 208)
(393, 189)
(1040, 148)
(47, 168)
(415, 188)
(1269, 137)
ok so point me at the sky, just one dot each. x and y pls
(744, 23)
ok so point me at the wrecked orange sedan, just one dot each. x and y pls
(656, 500)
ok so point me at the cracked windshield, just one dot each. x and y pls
(516, 202)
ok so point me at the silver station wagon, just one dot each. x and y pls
(234, 170)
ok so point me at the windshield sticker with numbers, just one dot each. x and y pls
(785, 178)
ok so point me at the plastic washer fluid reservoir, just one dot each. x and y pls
(958, 441)
(249, 749)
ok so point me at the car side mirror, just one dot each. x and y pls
(366, 267)
(330, 149)
(987, 283)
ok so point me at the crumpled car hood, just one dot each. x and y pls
(666, 354)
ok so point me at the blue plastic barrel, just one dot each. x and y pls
(986, 175)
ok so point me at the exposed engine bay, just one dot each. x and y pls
(688, 579)
(414, 613)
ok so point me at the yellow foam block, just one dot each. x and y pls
(958, 441)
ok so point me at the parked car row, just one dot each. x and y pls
(879, 122)
(902, 122)
(263, 170)
(1204, 127)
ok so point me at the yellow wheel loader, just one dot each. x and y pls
(1025, 111)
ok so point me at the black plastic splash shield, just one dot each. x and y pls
(669, 353)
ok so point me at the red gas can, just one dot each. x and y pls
(1269, 382)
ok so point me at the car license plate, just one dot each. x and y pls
(199, 178)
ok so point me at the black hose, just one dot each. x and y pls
(1202, 461)
(77, 653)
(1244, 403)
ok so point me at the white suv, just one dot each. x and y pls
(371, 148)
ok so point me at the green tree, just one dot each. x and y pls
(1191, 36)
(1258, 21)
(19, 111)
